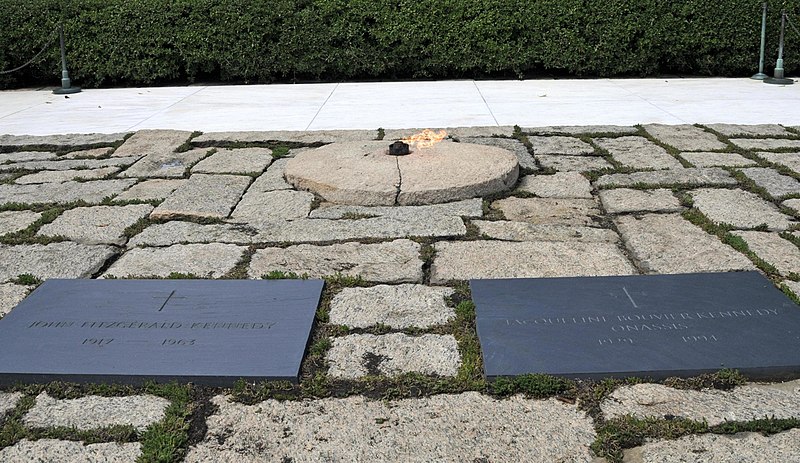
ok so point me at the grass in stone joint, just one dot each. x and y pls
(725, 380)
(187, 145)
(281, 275)
(28, 235)
(617, 434)
(381, 134)
(27, 279)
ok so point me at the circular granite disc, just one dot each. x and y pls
(362, 173)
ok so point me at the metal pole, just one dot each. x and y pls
(66, 83)
(761, 75)
(779, 78)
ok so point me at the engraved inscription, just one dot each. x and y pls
(97, 342)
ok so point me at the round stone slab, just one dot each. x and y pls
(362, 173)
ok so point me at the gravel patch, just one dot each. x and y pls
(638, 153)
(667, 243)
(203, 260)
(393, 262)
(523, 231)
(558, 185)
(739, 208)
(535, 259)
(622, 200)
(397, 306)
(14, 221)
(443, 428)
(745, 403)
(55, 260)
(685, 137)
(97, 224)
(781, 253)
(92, 412)
(358, 355)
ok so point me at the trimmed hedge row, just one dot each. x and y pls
(141, 42)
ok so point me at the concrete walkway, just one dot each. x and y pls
(401, 105)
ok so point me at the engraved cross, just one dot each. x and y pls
(171, 296)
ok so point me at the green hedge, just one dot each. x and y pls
(135, 42)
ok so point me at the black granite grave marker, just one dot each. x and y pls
(127, 331)
(651, 326)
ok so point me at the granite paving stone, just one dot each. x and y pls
(60, 176)
(573, 163)
(204, 195)
(301, 230)
(202, 260)
(14, 221)
(777, 185)
(558, 185)
(309, 136)
(685, 137)
(8, 400)
(524, 158)
(582, 129)
(10, 296)
(70, 164)
(61, 193)
(794, 286)
(711, 159)
(466, 260)
(790, 160)
(523, 231)
(150, 190)
(65, 141)
(622, 200)
(152, 143)
(739, 208)
(257, 206)
(672, 177)
(766, 144)
(93, 412)
(358, 355)
(454, 132)
(638, 153)
(397, 306)
(467, 427)
(720, 448)
(464, 208)
(94, 153)
(176, 232)
(392, 262)
(744, 403)
(668, 243)
(23, 156)
(235, 161)
(792, 204)
(780, 253)
(67, 451)
(560, 145)
(758, 130)
(55, 260)
(273, 178)
(165, 165)
(553, 211)
(97, 224)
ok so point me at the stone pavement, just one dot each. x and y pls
(396, 321)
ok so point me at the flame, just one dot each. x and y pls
(426, 138)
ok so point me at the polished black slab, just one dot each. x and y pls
(209, 332)
(652, 326)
